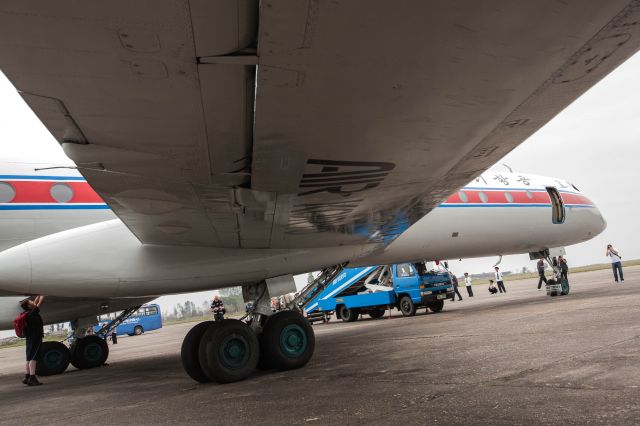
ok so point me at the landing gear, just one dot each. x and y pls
(287, 341)
(89, 352)
(230, 350)
(53, 359)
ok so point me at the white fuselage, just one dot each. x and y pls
(103, 259)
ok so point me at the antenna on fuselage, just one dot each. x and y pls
(498, 262)
(508, 168)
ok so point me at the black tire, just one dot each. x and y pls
(376, 313)
(229, 351)
(189, 353)
(53, 359)
(407, 306)
(287, 341)
(436, 306)
(138, 330)
(89, 352)
(348, 315)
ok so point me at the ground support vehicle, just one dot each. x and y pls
(374, 289)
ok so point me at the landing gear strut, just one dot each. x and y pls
(230, 350)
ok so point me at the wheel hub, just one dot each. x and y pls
(52, 358)
(92, 352)
(293, 341)
(234, 352)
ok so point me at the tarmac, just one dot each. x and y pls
(518, 358)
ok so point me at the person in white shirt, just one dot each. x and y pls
(467, 284)
(499, 280)
(616, 262)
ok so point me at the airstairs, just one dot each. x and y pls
(311, 290)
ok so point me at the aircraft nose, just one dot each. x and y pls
(15, 270)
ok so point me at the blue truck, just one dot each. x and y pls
(374, 289)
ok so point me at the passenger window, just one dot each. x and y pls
(557, 205)
(463, 196)
(530, 194)
(153, 310)
(483, 196)
(509, 197)
(405, 270)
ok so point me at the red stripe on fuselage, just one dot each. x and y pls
(40, 192)
(519, 197)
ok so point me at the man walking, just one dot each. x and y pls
(454, 280)
(542, 279)
(34, 332)
(467, 284)
(616, 262)
(500, 280)
(564, 268)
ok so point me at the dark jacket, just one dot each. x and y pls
(35, 327)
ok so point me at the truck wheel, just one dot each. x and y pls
(138, 330)
(436, 306)
(407, 307)
(348, 315)
(53, 359)
(376, 313)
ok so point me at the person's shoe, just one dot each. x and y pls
(26, 379)
(33, 381)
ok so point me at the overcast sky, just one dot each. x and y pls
(593, 144)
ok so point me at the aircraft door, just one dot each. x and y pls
(557, 205)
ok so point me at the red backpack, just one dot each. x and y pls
(20, 323)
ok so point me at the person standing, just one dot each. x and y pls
(217, 307)
(34, 332)
(616, 262)
(454, 280)
(467, 284)
(543, 279)
(500, 280)
(564, 268)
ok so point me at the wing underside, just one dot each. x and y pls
(299, 123)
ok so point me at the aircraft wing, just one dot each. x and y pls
(299, 123)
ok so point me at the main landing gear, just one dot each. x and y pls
(84, 352)
(230, 350)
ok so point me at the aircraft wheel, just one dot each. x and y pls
(348, 315)
(89, 352)
(407, 306)
(377, 313)
(436, 306)
(189, 353)
(287, 341)
(228, 351)
(53, 359)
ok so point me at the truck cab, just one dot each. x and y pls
(421, 284)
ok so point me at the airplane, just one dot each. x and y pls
(497, 213)
(241, 142)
